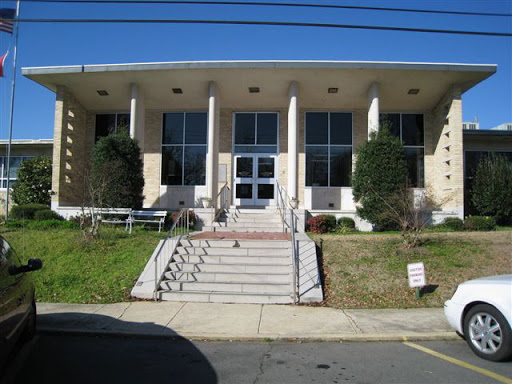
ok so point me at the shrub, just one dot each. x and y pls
(319, 224)
(480, 223)
(331, 219)
(380, 172)
(492, 188)
(453, 223)
(34, 182)
(41, 225)
(26, 211)
(47, 214)
(117, 175)
(192, 218)
(346, 222)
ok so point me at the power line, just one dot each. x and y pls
(270, 23)
(254, 3)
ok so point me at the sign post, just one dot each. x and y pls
(416, 273)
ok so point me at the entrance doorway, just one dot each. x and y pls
(255, 179)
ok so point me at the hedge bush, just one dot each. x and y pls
(346, 222)
(47, 214)
(380, 173)
(34, 181)
(319, 224)
(41, 225)
(480, 223)
(492, 188)
(332, 222)
(345, 225)
(453, 223)
(26, 211)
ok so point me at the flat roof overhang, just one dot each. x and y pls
(234, 78)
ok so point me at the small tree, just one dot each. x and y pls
(34, 181)
(492, 188)
(380, 173)
(117, 173)
(409, 211)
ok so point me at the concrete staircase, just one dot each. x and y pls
(238, 219)
(230, 271)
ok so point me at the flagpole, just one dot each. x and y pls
(11, 115)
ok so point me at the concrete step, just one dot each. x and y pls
(270, 229)
(252, 219)
(236, 243)
(230, 277)
(229, 268)
(232, 259)
(224, 297)
(233, 251)
(250, 288)
(255, 224)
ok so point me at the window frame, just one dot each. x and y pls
(116, 113)
(401, 136)
(3, 167)
(183, 145)
(328, 145)
(278, 127)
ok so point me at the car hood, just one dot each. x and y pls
(499, 279)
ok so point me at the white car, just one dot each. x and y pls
(481, 310)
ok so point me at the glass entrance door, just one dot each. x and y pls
(255, 179)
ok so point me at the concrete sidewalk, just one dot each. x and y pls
(244, 321)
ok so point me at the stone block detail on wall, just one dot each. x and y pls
(71, 158)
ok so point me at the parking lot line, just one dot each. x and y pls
(495, 376)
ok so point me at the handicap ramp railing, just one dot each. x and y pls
(180, 228)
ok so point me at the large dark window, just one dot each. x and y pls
(409, 127)
(328, 149)
(184, 146)
(256, 132)
(109, 123)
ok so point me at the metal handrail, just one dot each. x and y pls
(179, 228)
(223, 196)
(281, 205)
(295, 257)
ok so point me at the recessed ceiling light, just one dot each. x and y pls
(413, 91)
(102, 92)
(332, 90)
(254, 90)
(177, 90)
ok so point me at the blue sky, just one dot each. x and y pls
(42, 44)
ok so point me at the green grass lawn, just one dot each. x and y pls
(371, 271)
(76, 270)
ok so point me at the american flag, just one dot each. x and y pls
(2, 61)
(7, 16)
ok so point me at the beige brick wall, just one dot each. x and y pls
(71, 151)
(444, 173)
(152, 157)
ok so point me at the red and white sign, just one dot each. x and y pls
(416, 272)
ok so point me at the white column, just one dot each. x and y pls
(134, 90)
(211, 166)
(293, 128)
(373, 109)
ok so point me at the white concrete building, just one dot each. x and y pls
(257, 126)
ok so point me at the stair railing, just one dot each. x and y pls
(295, 258)
(282, 206)
(179, 229)
(221, 202)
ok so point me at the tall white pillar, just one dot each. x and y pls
(293, 128)
(373, 109)
(134, 90)
(211, 166)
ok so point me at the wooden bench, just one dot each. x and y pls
(152, 217)
(115, 216)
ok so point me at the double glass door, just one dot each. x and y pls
(255, 179)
